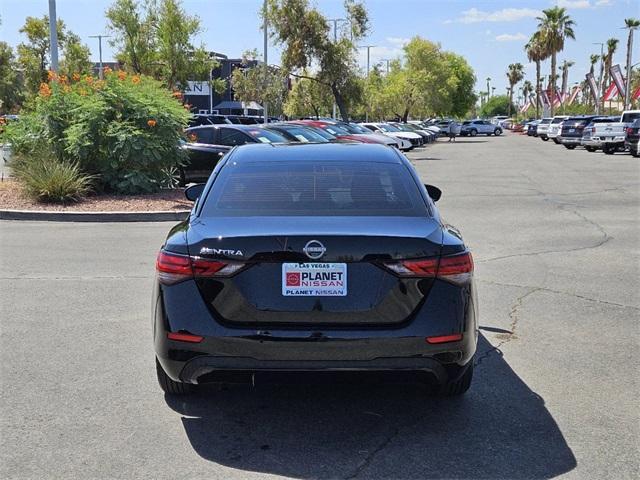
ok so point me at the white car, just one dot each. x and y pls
(555, 127)
(390, 130)
(543, 128)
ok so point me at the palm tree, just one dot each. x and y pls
(555, 26)
(612, 45)
(535, 53)
(631, 24)
(593, 59)
(527, 90)
(565, 74)
(514, 75)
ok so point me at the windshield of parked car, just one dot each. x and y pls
(557, 120)
(545, 121)
(314, 188)
(335, 129)
(265, 136)
(354, 128)
(302, 134)
(385, 127)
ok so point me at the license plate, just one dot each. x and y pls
(314, 279)
(571, 130)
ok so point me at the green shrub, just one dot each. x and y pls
(48, 180)
(124, 130)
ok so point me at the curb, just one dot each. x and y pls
(56, 216)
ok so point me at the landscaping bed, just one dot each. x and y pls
(12, 197)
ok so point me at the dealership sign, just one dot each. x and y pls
(197, 88)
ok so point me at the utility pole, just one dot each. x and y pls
(368, 47)
(265, 105)
(488, 89)
(335, 40)
(100, 37)
(600, 79)
(53, 35)
(386, 60)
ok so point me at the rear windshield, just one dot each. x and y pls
(304, 188)
(604, 120)
(303, 134)
(266, 136)
(557, 120)
(630, 117)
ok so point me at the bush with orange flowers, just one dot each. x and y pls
(124, 131)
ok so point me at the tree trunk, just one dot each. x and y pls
(405, 115)
(553, 82)
(344, 113)
(510, 99)
(627, 93)
(537, 88)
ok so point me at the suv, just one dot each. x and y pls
(571, 132)
(543, 128)
(632, 138)
(475, 127)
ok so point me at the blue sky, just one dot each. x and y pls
(490, 34)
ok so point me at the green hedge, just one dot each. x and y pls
(125, 131)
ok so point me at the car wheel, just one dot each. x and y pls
(590, 149)
(570, 147)
(473, 132)
(458, 386)
(608, 150)
(636, 154)
(169, 385)
(545, 139)
(497, 132)
(556, 141)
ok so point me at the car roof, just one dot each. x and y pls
(234, 126)
(353, 152)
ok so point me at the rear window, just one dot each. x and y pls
(266, 136)
(303, 188)
(557, 120)
(630, 117)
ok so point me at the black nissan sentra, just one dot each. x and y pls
(314, 257)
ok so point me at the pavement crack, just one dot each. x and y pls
(514, 316)
(561, 292)
(371, 456)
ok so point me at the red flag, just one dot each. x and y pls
(636, 94)
(574, 94)
(611, 93)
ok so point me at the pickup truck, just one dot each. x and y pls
(609, 136)
(571, 131)
(633, 138)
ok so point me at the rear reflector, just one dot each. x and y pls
(454, 268)
(456, 337)
(184, 337)
(174, 268)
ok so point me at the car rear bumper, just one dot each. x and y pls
(570, 140)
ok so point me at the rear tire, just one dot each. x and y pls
(590, 149)
(570, 147)
(497, 132)
(473, 132)
(608, 150)
(458, 386)
(170, 386)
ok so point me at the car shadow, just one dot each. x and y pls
(346, 426)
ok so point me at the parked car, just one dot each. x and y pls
(555, 127)
(483, 127)
(207, 119)
(208, 143)
(427, 137)
(543, 128)
(297, 133)
(613, 135)
(519, 127)
(360, 131)
(591, 140)
(632, 137)
(314, 257)
(532, 128)
(390, 130)
(572, 129)
(444, 126)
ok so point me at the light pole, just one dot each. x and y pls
(600, 77)
(53, 35)
(335, 40)
(265, 106)
(627, 92)
(488, 88)
(368, 47)
(386, 60)
(100, 37)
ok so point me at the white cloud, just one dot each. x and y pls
(507, 37)
(604, 3)
(576, 4)
(398, 41)
(474, 15)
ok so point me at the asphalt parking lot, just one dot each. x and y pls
(555, 235)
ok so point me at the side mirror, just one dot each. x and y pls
(434, 192)
(193, 191)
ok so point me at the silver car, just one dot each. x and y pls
(480, 127)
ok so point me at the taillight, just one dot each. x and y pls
(173, 268)
(629, 131)
(456, 269)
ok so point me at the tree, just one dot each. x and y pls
(10, 80)
(631, 24)
(536, 53)
(566, 65)
(305, 36)
(308, 97)
(496, 105)
(460, 83)
(612, 46)
(527, 91)
(249, 83)
(555, 26)
(33, 55)
(76, 57)
(515, 74)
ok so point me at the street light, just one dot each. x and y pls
(53, 35)
(600, 79)
(100, 37)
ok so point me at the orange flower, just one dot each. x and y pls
(64, 79)
(107, 70)
(122, 75)
(66, 89)
(45, 90)
(177, 94)
(152, 123)
(88, 79)
(76, 77)
(135, 79)
(51, 75)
